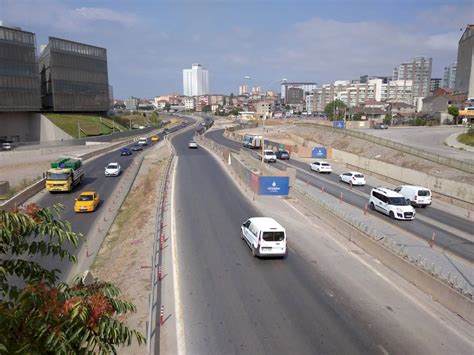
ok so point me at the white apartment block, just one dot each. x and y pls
(189, 103)
(419, 72)
(243, 89)
(195, 81)
(358, 94)
(449, 77)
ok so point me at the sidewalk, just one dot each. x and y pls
(453, 142)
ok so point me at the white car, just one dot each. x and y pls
(269, 156)
(321, 167)
(192, 145)
(353, 178)
(113, 169)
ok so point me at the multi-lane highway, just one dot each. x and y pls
(95, 180)
(359, 196)
(318, 300)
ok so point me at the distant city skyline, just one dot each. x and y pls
(148, 43)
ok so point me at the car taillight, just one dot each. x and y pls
(416, 197)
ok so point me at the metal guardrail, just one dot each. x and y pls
(436, 158)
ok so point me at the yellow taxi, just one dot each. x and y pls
(87, 201)
(155, 138)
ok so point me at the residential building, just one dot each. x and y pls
(243, 89)
(74, 77)
(465, 63)
(189, 103)
(449, 76)
(309, 103)
(264, 108)
(419, 72)
(19, 80)
(306, 87)
(433, 104)
(435, 83)
(295, 96)
(132, 103)
(365, 78)
(195, 81)
(354, 95)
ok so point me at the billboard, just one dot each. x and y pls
(339, 124)
(319, 152)
(274, 185)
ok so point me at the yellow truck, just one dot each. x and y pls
(64, 174)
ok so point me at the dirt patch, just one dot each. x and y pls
(125, 256)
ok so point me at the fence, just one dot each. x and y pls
(436, 158)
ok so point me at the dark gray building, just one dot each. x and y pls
(295, 96)
(19, 80)
(74, 77)
(465, 63)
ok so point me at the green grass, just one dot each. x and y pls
(90, 125)
(467, 138)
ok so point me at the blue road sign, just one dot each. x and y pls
(319, 152)
(339, 124)
(274, 185)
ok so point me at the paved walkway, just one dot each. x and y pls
(452, 141)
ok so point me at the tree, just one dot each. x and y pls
(40, 315)
(454, 111)
(155, 117)
(357, 116)
(167, 107)
(388, 119)
(206, 108)
(338, 107)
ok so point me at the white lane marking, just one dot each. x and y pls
(418, 303)
(383, 350)
(181, 347)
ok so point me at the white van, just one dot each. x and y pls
(265, 237)
(416, 195)
(391, 203)
(143, 141)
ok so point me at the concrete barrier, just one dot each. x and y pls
(440, 291)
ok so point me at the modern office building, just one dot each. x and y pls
(74, 77)
(435, 83)
(19, 80)
(465, 67)
(195, 81)
(449, 76)
(243, 89)
(131, 103)
(419, 72)
(306, 87)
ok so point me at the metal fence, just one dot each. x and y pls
(436, 158)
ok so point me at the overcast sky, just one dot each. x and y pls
(150, 42)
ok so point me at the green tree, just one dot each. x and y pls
(388, 119)
(46, 316)
(454, 111)
(357, 116)
(206, 108)
(167, 107)
(155, 118)
(338, 107)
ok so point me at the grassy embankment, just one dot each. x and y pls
(467, 138)
(88, 125)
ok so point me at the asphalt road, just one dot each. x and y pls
(446, 239)
(94, 179)
(234, 303)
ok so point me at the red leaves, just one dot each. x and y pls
(99, 306)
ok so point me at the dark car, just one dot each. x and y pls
(380, 126)
(183, 124)
(137, 147)
(166, 131)
(125, 151)
(283, 155)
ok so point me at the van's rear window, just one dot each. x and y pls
(423, 192)
(273, 236)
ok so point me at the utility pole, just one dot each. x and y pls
(78, 130)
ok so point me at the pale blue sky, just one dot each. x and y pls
(150, 42)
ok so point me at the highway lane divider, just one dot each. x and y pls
(441, 285)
